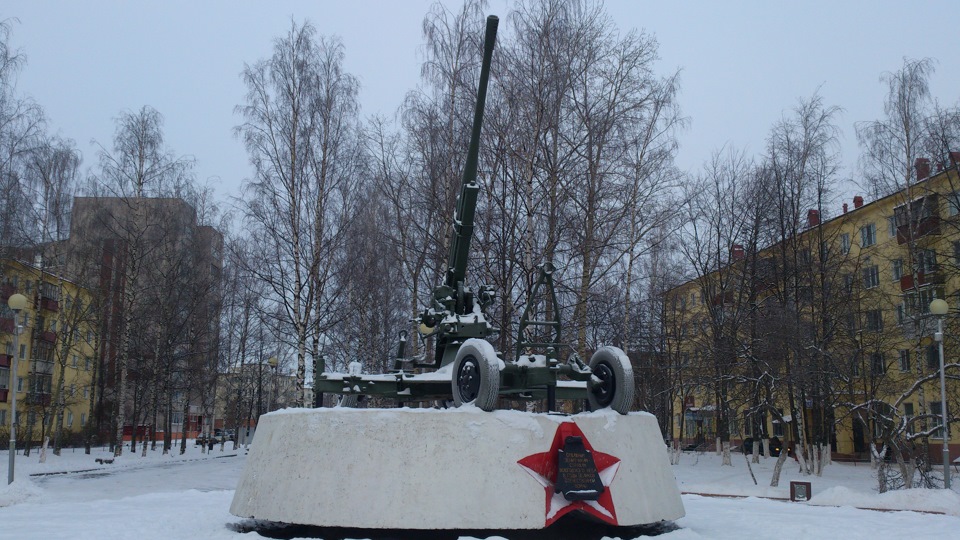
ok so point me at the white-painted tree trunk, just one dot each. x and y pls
(716, 446)
(766, 448)
(800, 451)
(756, 451)
(726, 454)
(775, 479)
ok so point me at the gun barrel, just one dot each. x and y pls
(467, 202)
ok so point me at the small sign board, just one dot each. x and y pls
(577, 476)
(800, 491)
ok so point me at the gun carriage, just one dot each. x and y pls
(465, 368)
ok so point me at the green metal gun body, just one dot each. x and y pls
(457, 313)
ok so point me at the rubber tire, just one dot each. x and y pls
(614, 362)
(488, 368)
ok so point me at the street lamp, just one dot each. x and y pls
(273, 366)
(16, 302)
(939, 308)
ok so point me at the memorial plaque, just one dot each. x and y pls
(800, 491)
(577, 477)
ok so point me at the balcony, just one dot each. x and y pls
(5, 360)
(3, 395)
(49, 304)
(923, 278)
(42, 367)
(6, 325)
(48, 336)
(5, 291)
(38, 399)
(925, 227)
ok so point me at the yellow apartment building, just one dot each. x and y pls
(55, 357)
(828, 335)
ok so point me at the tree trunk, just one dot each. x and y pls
(781, 459)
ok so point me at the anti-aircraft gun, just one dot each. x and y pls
(467, 368)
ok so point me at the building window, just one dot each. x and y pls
(877, 365)
(897, 269)
(871, 277)
(901, 313)
(926, 261)
(69, 418)
(874, 320)
(919, 302)
(778, 428)
(953, 203)
(86, 363)
(908, 416)
(844, 244)
(23, 351)
(75, 361)
(19, 384)
(83, 419)
(892, 226)
(868, 235)
(904, 360)
(86, 392)
(73, 389)
(4, 378)
(89, 336)
(935, 410)
(933, 357)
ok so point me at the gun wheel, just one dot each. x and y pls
(612, 383)
(476, 375)
(348, 400)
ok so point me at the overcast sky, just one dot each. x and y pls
(744, 64)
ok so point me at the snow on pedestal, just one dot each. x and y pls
(448, 469)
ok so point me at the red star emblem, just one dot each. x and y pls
(543, 467)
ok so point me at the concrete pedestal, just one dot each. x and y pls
(449, 469)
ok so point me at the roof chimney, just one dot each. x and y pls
(736, 252)
(857, 202)
(844, 208)
(922, 165)
(813, 217)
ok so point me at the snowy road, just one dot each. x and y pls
(190, 499)
(216, 474)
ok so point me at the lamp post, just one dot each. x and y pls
(273, 367)
(16, 302)
(939, 308)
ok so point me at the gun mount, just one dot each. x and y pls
(467, 368)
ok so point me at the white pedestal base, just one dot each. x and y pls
(448, 469)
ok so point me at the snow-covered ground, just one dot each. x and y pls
(163, 497)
